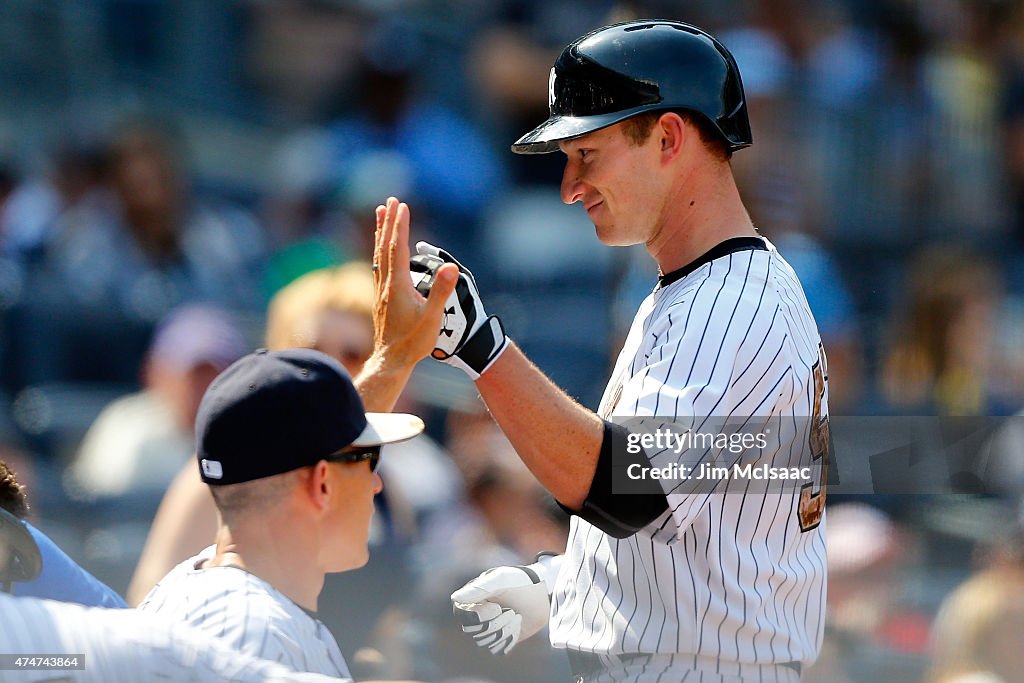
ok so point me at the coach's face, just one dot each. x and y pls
(353, 486)
(617, 181)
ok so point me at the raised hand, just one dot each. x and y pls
(405, 322)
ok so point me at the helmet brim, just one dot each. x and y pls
(545, 137)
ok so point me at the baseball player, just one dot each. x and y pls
(34, 565)
(290, 457)
(45, 641)
(688, 582)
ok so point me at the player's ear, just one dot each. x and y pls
(316, 484)
(673, 133)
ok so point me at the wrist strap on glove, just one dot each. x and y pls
(469, 339)
(546, 569)
(480, 350)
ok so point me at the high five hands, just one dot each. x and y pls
(405, 323)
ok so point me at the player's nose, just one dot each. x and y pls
(572, 186)
(378, 483)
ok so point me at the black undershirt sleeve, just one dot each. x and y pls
(620, 515)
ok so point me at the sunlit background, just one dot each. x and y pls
(158, 154)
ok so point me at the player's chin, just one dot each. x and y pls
(361, 559)
(353, 559)
(611, 237)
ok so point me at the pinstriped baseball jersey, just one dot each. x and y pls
(248, 614)
(124, 646)
(732, 578)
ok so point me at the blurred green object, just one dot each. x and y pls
(299, 258)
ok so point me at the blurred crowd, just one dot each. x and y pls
(184, 181)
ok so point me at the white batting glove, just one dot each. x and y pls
(505, 605)
(469, 339)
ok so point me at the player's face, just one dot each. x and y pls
(356, 486)
(617, 182)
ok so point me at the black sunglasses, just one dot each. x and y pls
(371, 453)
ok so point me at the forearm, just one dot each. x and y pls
(558, 439)
(381, 382)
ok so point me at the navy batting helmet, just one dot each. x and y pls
(621, 70)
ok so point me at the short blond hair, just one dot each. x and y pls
(235, 501)
(294, 314)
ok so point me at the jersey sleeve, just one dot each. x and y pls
(65, 580)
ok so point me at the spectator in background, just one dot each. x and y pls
(296, 53)
(152, 244)
(139, 442)
(515, 47)
(512, 509)
(309, 229)
(72, 179)
(940, 361)
(1011, 115)
(976, 636)
(74, 175)
(786, 201)
(1006, 550)
(1014, 151)
(398, 139)
(61, 578)
(329, 310)
(866, 626)
(115, 265)
(961, 78)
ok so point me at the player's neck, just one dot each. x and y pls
(705, 210)
(270, 555)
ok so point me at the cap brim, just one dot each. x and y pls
(384, 428)
(545, 137)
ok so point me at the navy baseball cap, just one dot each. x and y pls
(275, 411)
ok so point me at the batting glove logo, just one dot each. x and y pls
(468, 338)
